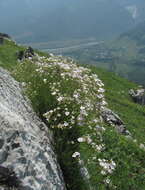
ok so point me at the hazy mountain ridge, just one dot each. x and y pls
(37, 21)
(137, 34)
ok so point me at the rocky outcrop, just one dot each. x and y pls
(28, 53)
(3, 35)
(138, 96)
(27, 160)
(113, 119)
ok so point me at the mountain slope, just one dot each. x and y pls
(70, 98)
(129, 50)
(124, 55)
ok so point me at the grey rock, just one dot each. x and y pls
(26, 146)
(24, 54)
(138, 96)
(3, 35)
(113, 119)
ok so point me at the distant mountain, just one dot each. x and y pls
(135, 7)
(137, 34)
(47, 20)
(125, 55)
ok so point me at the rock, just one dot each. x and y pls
(28, 53)
(1, 41)
(25, 146)
(3, 35)
(113, 119)
(138, 96)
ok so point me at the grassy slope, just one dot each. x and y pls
(119, 100)
(127, 155)
(8, 52)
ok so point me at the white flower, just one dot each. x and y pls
(107, 181)
(89, 140)
(51, 54)
(45, 81)
(142, 146)
(101, 90)
(23, 84)
(65, 124)
(67, 113)
(103, 103)
(95, 121)
(81, 139)
(76, 95)
(60, 99)
(94, 158)
(76, 154)
(103, 172)
(82, 108)
(60, 126)
(100, 147)
(53, 93)
(100, 96)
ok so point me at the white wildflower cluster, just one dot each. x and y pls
(81, 139)
(107, 181)
(107, 166)
(85, 97)
(87, 139)
(82, 97)
(76, 97)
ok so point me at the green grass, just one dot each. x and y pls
(119, 100)
(45, 83)
(8, 54)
